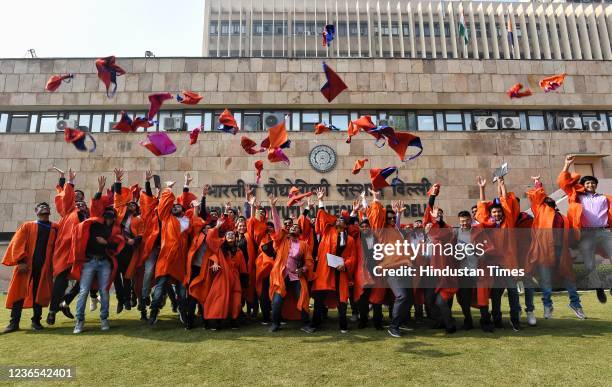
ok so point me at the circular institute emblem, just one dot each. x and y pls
(322, 158)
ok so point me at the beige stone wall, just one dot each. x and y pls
(389, 83)
(453, 159)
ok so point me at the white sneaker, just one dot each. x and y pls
(104, 325)
(354, 317)
(578, 312)
(548, 310)
(78, 327)
(531, 319)
(343, 331)
(93, 304)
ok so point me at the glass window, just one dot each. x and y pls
(397, 120)
(354, 115)
(48, 123)
(412, 121)
(162, 117)
(453, 121)
(109, 120)
(425, 121)
(3, 122)
(19, 123)
(33, 123)
(192, 121)
(309, 120)
(340, 120)
(207, 121)
(536, 121)
(588, 117)
(142, 114)
(440, 121)
(251, 122)
(523, 119)
(295, 121)
(468, 120)
(96, 123)
(84, 119)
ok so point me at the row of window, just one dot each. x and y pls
(305, 120)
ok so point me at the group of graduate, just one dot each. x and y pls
(235, 266)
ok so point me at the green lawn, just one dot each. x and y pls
(562, 351)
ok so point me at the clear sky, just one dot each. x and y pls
(96, 28)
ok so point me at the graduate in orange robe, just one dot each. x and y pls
(30, 252)
(171, 266)
(132, 227)
(291, 271)
(332, 284)
(72, 212)
(501, 217)
(549, 250)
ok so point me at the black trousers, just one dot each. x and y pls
(364, 308)
(123, 286)
(58, 294)
(191, 302)
(264, 300)
(18, 305)
(320, 308)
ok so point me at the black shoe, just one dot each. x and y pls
(601, 296)
(308, 329)
(36, 326)
(498, 323)
(515, 324)
(143, 315)
(452, 329)
(11, 328)
(468, 324)
(66, 311)
(234, 324)
(147, 301)
(134, 300)
(394, 332)
(273, 328)
(119, 307)
(128, 305)
(378, 327)
(51, 318)
(174, 308)
(487, 327)
(153, 316)
(182, 315)
(362, 325)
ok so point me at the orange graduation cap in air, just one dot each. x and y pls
(322, 128)
(249, 146)
(552, 83)
(108, 72)
(295, 196)
(156, 101)
(77, 138)
(363, 122)
(276, 141)
(193, 135)
(188, 98)
(55, 81)
(258, 168)
(358, 165)
(379, 177)
(515, 91)
(228, 123)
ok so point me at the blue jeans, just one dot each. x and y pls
(91, 268)
(149, 271)
(545, 275)
(158, 292)
(590, 239)
(277, 301)
(529, 294)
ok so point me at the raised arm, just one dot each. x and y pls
(275, 216)
(164, 208)
(324, 219)
(482, 184)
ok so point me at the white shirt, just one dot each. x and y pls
(184, 222)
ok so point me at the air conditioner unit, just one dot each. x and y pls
(596, 126)
(569, 123)
(486, 123)
(272, 119)
(64, 123)
(510, 123)
(172, 124)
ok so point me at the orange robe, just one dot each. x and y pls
(224, 298)
(172, 260)
(325, 276)
(21, 250)
(542, 247)
(120, 203)
(282, 245)
(263, 266)
(79, 248)
(376, 214)
(69, 219)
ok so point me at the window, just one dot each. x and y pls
(251, 122)
(295, 121)
(48, 123)
(162, 117)
(397, 120)
(588, 117)
(19, 123)
(425, 121)
(454, 122)
(340, 120)
(468, 120)
(536, 121)
(309, 120)
(33, 123)
(84, 120)
(96, 123)
(212, 29)
(207, 121)
(192, 121)
(412, 121)
(109, 120)
(3, 122)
